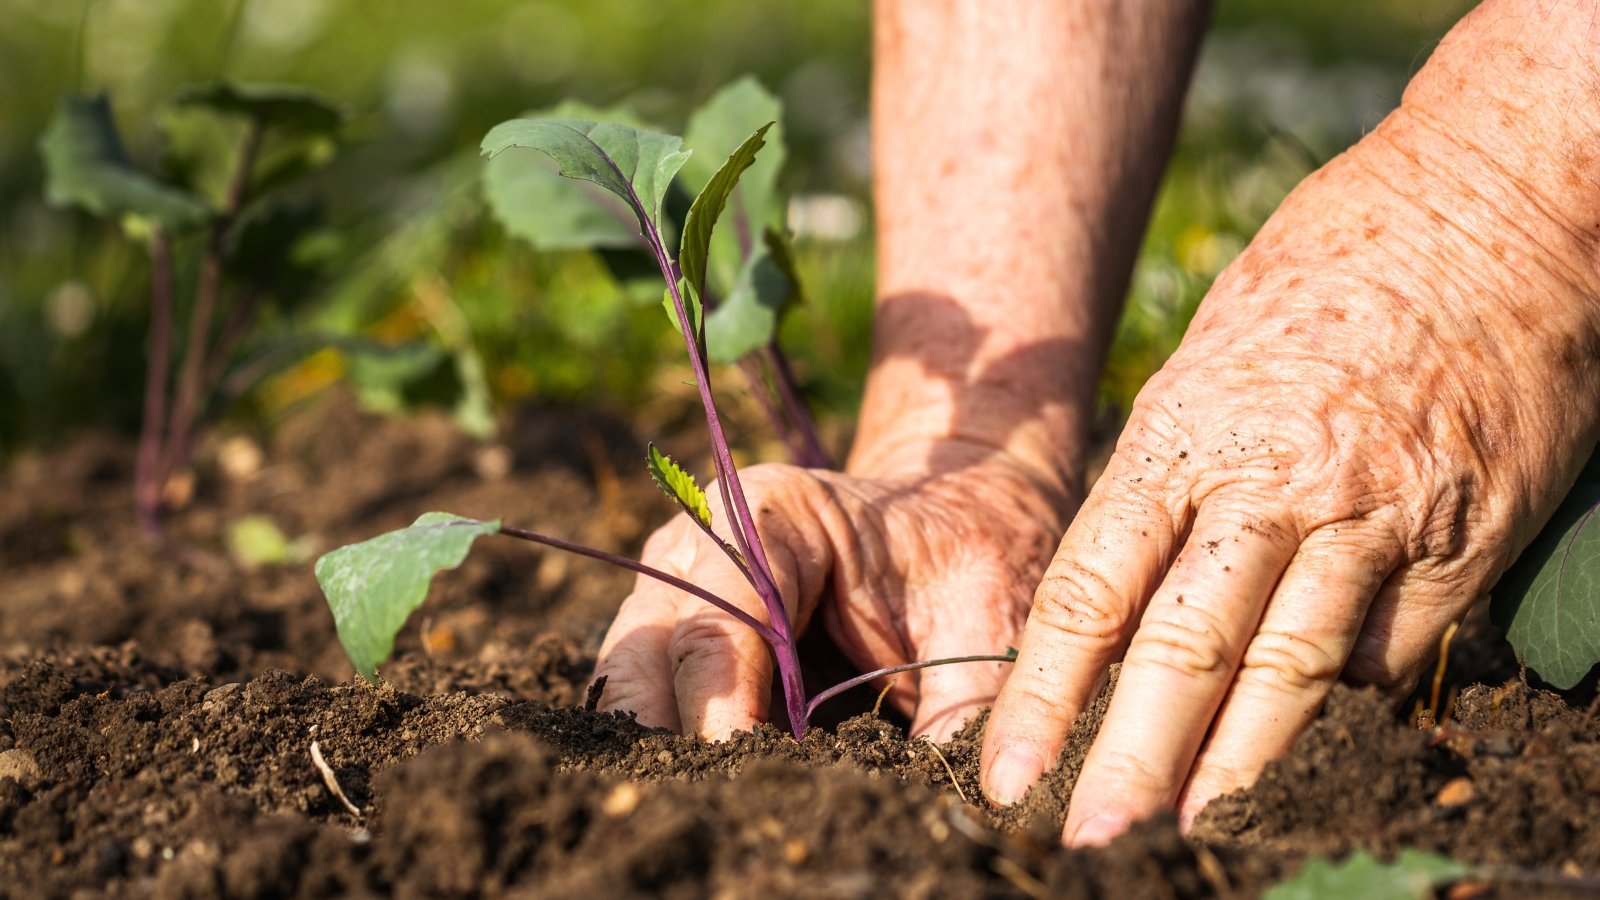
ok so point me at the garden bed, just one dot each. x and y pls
(158, 708)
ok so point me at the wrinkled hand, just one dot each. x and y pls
(1373, 411)
(898, 569)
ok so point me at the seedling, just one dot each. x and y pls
(246, 249)
(372, 587)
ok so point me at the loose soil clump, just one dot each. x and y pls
(158, 709)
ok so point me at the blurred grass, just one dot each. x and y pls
(1280, 88)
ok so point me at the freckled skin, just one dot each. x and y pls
(1374, 409)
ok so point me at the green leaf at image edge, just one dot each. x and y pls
(679, 485)
(373, 587)
(1412, 876)
(633, 163)
(1549, 601)
(87, 167)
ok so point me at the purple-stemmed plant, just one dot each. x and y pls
(372, 587)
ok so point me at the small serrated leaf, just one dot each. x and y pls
(1412, 876)
(373, 587)
(679, 485)
(87, 167)
(1549, 600)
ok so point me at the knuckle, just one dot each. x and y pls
(1188, 640)
(703, 634)
(1123, 773)
(1370, 664)
(1288, 663)
(1079, 601)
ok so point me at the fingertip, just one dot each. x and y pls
(1097, 830)
(1011, 770)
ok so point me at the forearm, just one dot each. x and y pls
(1016, 154)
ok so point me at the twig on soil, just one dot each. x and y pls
(954, 781)
(878, 703)
(331, 780)
(1438, 671)
(591, 700)
(1020, 878)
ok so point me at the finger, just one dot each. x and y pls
(1400, 635)
(949, 696)
(1178, 668)
(1306, 635)
(1105, 568)
(633, 657)
(722, 669)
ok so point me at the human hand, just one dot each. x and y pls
(1374, 410)
(898, 568)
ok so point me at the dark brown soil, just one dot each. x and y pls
(159, 707)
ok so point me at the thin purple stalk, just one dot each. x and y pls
(185, 407)
(147, 469)
(811, 454)
(824, 696)
(784, 649)
(642, 569)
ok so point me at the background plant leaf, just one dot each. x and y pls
(679, 485)
(87, 167)
(1412, 876)
(528, 195)
(373, 587)
(1549, 600)
(635, 164)
(279, 106)
(748, 318)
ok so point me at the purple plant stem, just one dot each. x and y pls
(824, 696)
(632, 566)
(147, 469)
(810, 452)
(784, 648)
(197, 349)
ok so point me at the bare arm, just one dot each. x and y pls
(1016, 151)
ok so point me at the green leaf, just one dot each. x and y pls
(87, 167)
(691, 302)
(530, 198)
(748, 318)
(679, 485)
(258, 541)
(372, 587)
(1412, 876)
(714, 132)
(272, 248)
(707, 208)
(1549, 601)
(283, 106)
(632, 163)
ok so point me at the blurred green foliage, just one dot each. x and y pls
(1280, 88)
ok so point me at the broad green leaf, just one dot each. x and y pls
(679, 485)
(707, 208)
(372, 587)
(714, 132)
(86, 166)
(1412, 876)
(528, 195)
(273, 248)
(632, 163)
(282, 106)
(748, 318)
(1549, 601)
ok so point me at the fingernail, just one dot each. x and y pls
(1097, 830)
(1013, 771)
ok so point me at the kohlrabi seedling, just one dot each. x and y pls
(245, 242)
(372, 587)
